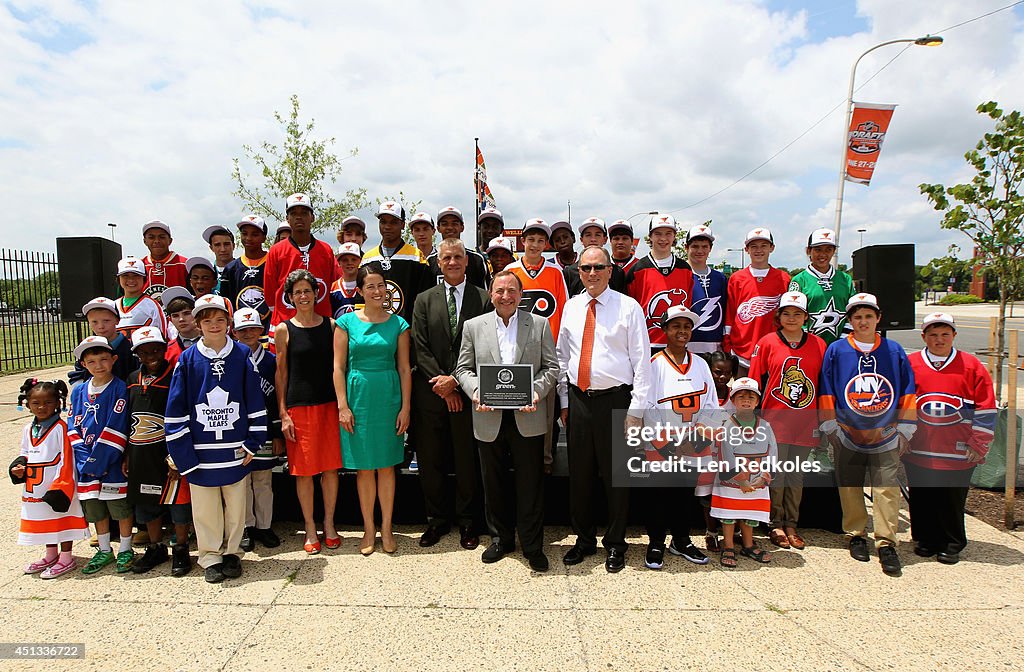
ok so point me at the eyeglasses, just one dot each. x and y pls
(587, 268)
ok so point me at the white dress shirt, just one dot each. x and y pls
(622, 347)
(460, 291)
(507, 337)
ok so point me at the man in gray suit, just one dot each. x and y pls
(511, 336)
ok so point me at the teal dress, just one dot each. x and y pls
(374, 393)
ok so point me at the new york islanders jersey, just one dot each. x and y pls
(476, 269)
(148, 482)
(709, 300)
(163, 273)
(544, 291)
(827, 296)
(242, 284)
(788, 377)
(144, 312)
(50, 510)
(956, 411)
(657, 289)
(285, 257)
(99, 433)
(406, 274)
(751, 307)
(868, 396)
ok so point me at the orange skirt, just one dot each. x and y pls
(317, 444)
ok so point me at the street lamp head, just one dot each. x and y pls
(928, 41)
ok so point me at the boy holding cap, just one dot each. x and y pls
(867, 406)
(660, 280)
(827, 289)
(956, 412)
(422, 228)
(222, 244)
(710, 291)
(753, 298)
(102, 315)
(405, 267)
(451, 225)
(164, 268)
(592, 232)
(345, 296)
(621, 241)
(134, 309)
(563, 241)
(178, 303)
(242, 279)
(489, 225)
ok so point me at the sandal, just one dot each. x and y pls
(756, 554)
(728, 558)
(797, 542)
(711, 543)
(779, 538)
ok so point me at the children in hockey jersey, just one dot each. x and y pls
(405, 268)
(544, 290)
(710, 291)
(259, 497)
(660, 280)
(164, 268)
(51, 514)
(178, 304)
(135, 309)
(754, 294)
(241, 282)
(345, 296)
(828, 290)
(98, 430)
(103, 316)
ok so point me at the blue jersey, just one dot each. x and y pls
(266, 366)
(709, 300)
(98, 429)
(216, 413)
(241, 282)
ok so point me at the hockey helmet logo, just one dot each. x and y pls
(755, 307)
(795, 389)
(661, 302)
(539, 302)
(939, 409)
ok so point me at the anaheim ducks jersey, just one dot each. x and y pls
(477, 269)
(827, 296)
(544, 291)
(658, 288)
(406, 273)
(98, 430)
(49, 482)
(164, 273)
(148, 482)
(144, 312)
(709, 300)
(681, 394)
(788, 376)
(242, 284)
(286, 256)
(345, 298)
(750, 313)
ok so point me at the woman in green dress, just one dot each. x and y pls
(373, 381)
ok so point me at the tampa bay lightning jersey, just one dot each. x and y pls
(709, 302)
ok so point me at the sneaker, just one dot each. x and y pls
(655, 557)
(40, 565)
(213, 573)
(859, 549)
(58, 569)
(414, 464)
(248, 540)
(890, 561)
(232, 568)
(125, 561)
(155, 555)
(689, 552)
(98, 562)
(267, 537)
(181, 563)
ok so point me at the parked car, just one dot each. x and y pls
(53, 305)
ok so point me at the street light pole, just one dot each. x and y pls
(926, 41)
(112, 227)
(861, 232)
(741, 251)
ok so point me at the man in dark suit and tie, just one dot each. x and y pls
(441, 412)
(511, 336)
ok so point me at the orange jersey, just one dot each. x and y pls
(544, 291)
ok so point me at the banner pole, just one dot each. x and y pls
(476, 188)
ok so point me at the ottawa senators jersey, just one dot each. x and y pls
(789, 377)
(164, 273)
(544, 291)
(750, 313)
(285, 257)
(242, 284)
(657, 289)
(406, 273)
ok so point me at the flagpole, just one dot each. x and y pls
(476, 188)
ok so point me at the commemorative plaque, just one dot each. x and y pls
(505, 386)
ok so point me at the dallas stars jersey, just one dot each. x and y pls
(477, 269)
(956, 409)
(709, 300)
(544, 291)
(657, 289)
(406, 273)
(242, 284)
(344, 299)
(285, 257)
(751, 309)
(148, 483)
(680, 394)
(145, 312)
(788, 377)
(98, 433)
(827, 296)
(164, 273)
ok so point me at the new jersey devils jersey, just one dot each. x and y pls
(285, 257)
(544, 291)
(657, 289)
(788, 376)
(751, 309)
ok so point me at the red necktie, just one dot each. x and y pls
(587, 349)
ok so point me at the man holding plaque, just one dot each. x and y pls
(504, 341)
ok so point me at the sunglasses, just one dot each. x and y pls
(587, 268)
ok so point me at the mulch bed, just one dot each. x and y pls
(989, 506)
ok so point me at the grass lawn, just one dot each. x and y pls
(46, 344)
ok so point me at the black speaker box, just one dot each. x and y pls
(887, 271)
(88, 268)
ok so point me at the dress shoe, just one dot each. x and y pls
(496, 551)
(549, 469)
(468, 539)
(890, 561)
(232, 568)
(859, 549)
(576, 554)
(538, 561)
(433, 535)
(266, 537)
(248, 542)
(948, 557)
(924, 551)
(214, 573)
(615, 561)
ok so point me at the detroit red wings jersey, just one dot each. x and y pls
(544, 291)
(789, 378)
(657, 289)
(163, 273)
(956, 410)
(750, 309)
(145, 312)
(50, 466)
(285, 257)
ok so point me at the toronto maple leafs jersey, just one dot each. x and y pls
(751, 309)
(242, 284)
(216, 413)
(406, 274)
(98, 431)
(476, 269)
(827, 296)
(657, 289)
(788, 376)
(709, 300)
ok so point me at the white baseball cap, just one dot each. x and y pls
(145, 335)
(699, 231)
(937, 318)
(131, 265)
(862, 299)
(391, 208)
(155, 224)
(299, 199)
(794, 300)
(422, 217)
(282, 226)
(820, 237)
(679, 311)
(101, 302)
(210, 231)
(91, 342)
(450, 210)
(490, 212)
(253, 220)
(211, 301)
(620, 224)
(760, 233)
(349, 248)
(562, 224)
(501, 243)
(192, 262)
(247, 317)
(172, 293)
(536, 224)
(660, 221)
(748, 384)
(352, 219)
(592, 221)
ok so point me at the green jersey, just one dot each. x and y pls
(827, 296)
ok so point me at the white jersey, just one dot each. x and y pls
(739, 450)
(145, 312)
(49, 471)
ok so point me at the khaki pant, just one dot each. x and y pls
(881, 470)
(787, 489)
(259, 499)
(219, 517)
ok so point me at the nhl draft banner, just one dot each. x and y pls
(868, 126)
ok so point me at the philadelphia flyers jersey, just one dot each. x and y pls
(242, 284)
(788, 376)
(681, 394)
(285, 257)
(544, 291)
(406, 273)
(164, 273)
(657, 289)
(750, 313)
(49, 477)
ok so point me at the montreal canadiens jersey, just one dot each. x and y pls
(145, 312)
(242, 284)
(956, 410)
(827, 296)
(406, 274)
(681, 393)
(789, 378)
(544, 291)
(285, 257)
(344, 299)
(99, 433)
(870, 395)
(49, 471)
(752, 303)
(657, 289)
(266, 366)
(148, 483)
(476, 269)
(167, 272)
(709, 300)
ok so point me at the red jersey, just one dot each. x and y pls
(788, 377)
(956, 410)
(164, 273)
(544, 291)
(750, 309)
(657, 289)
(285, 257)
(625, 265)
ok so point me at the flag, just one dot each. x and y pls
(484, 199)
(868, 126)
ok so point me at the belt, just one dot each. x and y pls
(600, 393)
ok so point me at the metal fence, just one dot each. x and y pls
(32, 335)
